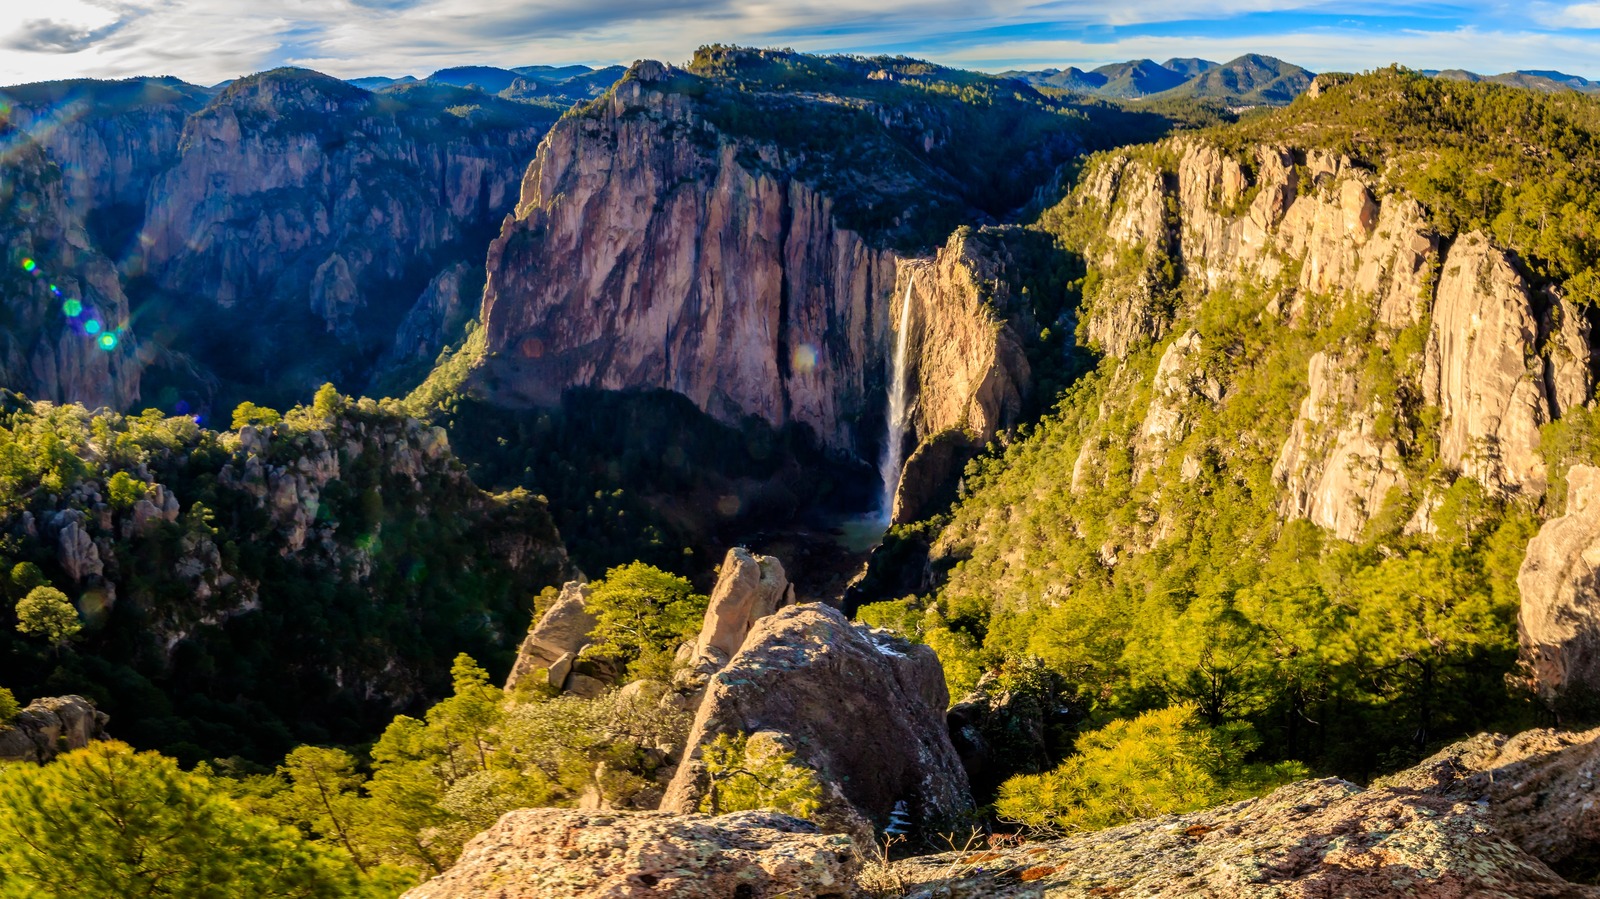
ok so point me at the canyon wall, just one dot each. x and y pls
(651, 249)
(1498, 357)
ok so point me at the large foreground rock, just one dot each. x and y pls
(1537, 788)
(862, 708)
(51, 726)
(1559, 623)
(568, 854)
(1325, 838)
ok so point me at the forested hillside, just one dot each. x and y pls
(1346, 361)
(298, 579)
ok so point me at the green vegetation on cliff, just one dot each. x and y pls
(242, 592)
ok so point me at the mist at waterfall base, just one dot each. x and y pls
(864, 532)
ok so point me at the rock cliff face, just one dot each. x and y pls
(301, 198)
(653, 249)
(553, 643)
(1560, 582)
(863, 709)
(681, 268)
(304, 214)
(56, 284)
(1499, 359)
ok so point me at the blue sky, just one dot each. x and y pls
(206, 41)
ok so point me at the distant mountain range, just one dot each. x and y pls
(572, 82)
(1250, 80)
(1533, 79)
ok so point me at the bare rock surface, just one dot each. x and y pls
(1559, 622)
(51, 726)
(554, 640)
(1322, 838)
(1537, 788)
(750, 588)
(571, 854)
(1483, 369)
(863, 709)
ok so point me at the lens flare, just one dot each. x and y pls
(92, 326)
(107, 341)
(55, 290)
(73, 308)
(29, 265)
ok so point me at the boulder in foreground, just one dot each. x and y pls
(569, 854)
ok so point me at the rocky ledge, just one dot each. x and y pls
(1508, 817)
(568, 854)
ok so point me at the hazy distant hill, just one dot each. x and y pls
(549, 84)
(1250, 80)
(1533, 79)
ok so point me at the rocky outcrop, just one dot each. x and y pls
(749, 588)
(861, 708)
(568, 854)
(1312, 839)
(1335, 470)
(553, 643)
(1536, 788)
(51, 726)
(1484, 371)
(1559, 622)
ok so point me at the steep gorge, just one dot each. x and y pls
(653, 248)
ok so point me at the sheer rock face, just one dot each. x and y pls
(46, 352)
(1313, 228)
(555, 639)
(1484, 370)
(861, 708)
(571, 854)
(51, 726)
(1335, 471)
(651, 250)
(970, 370)
(1559, 622)
(1307, 840)
(265, 206)
(643, 254)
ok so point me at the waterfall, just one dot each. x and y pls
(894, 445)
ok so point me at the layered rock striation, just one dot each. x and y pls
(654, 249)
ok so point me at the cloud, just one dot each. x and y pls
(51, 36)
(206, 41)
(1576, 15)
